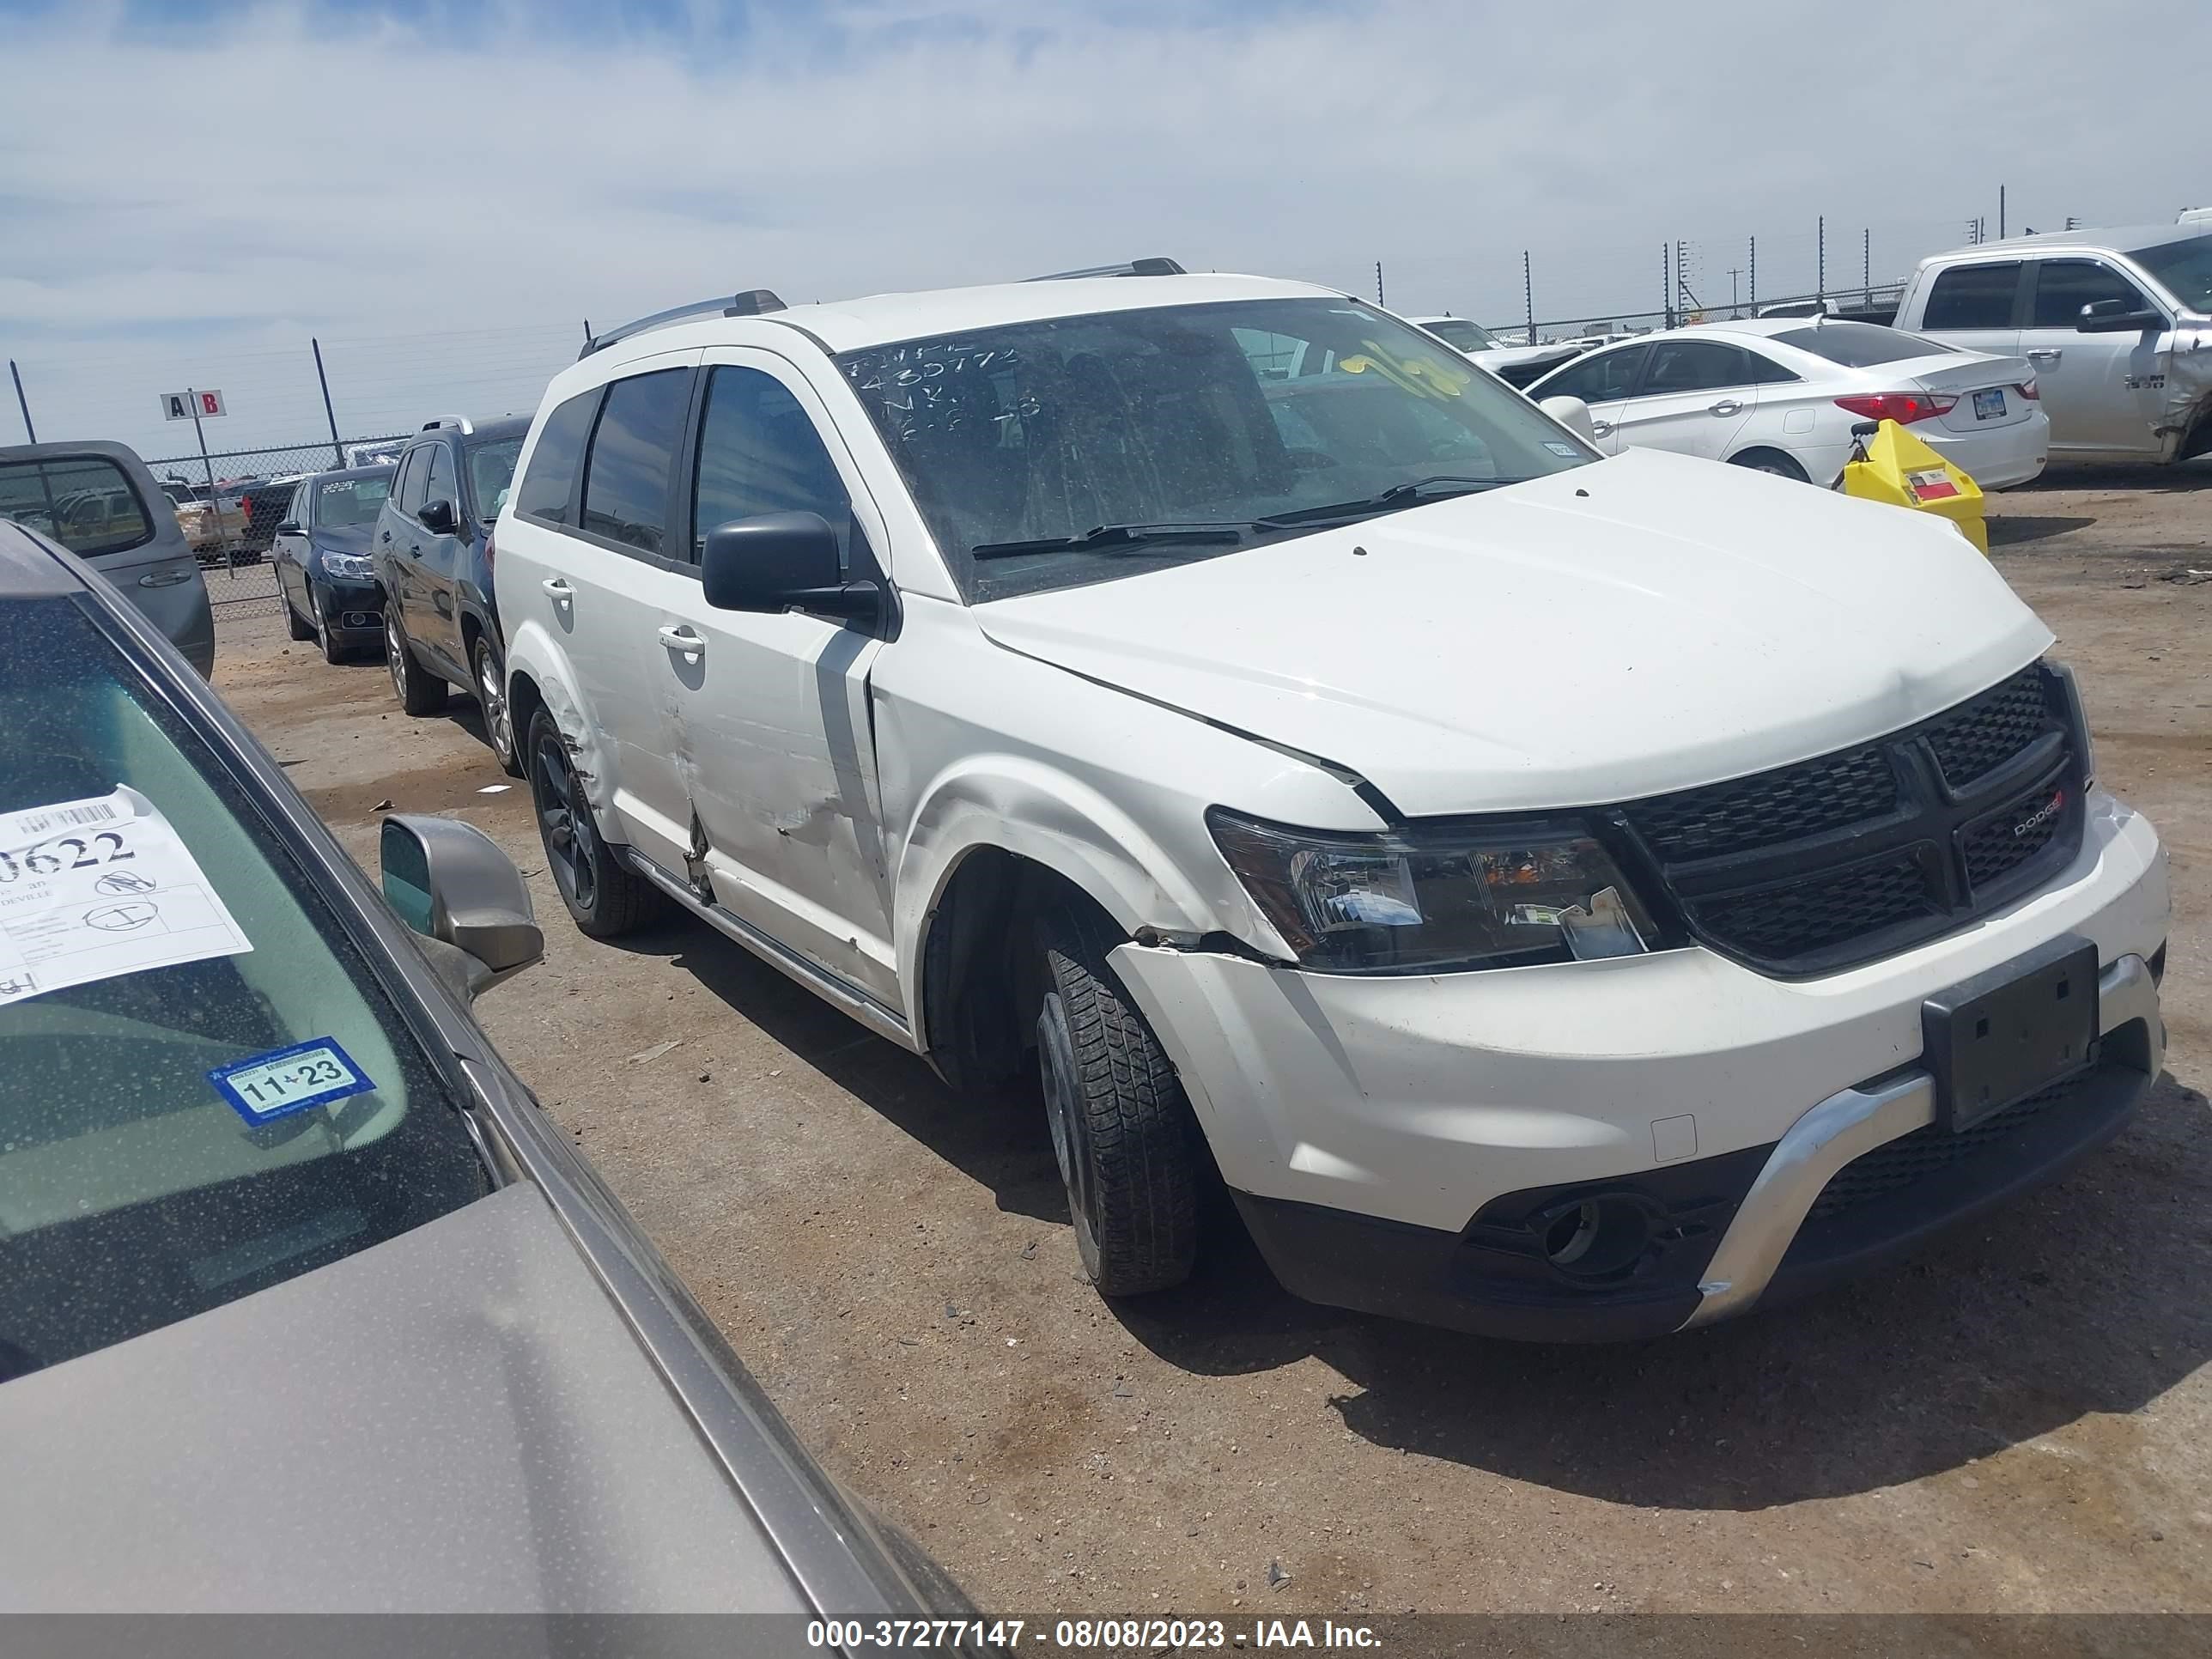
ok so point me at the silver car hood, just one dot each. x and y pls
(455, 1420)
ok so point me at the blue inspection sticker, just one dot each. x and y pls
(263, 1088)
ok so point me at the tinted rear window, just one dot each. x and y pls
(86, 502)
(551, 484)
(1973, 296)
(1859, 345)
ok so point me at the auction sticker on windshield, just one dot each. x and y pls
(101, 887)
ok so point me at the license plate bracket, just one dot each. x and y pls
(1990, 403)
(1992, 1041)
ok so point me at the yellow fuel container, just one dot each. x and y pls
(1904, 472)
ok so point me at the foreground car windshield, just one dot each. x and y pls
(1203, 414)
(153, 931)
(2184, 269)
(346, 503)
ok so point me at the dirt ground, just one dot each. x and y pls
(2022, 1421)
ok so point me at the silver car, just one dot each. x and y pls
(98, 501)
(305, 1305)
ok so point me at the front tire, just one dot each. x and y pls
(1122, 1129)
(421, 692)
(299, 629)
(491, 673)
(605, 897)
(333, 652)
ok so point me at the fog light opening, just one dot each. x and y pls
(1596, 1237)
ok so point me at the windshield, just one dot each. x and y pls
(2184, 269)
(349, 503)
(491, 470)
(1458, 331)
(83, 502)
(1859, 345)
(1211, 416)
(153, 930)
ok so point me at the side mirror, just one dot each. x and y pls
(437, 516)
(777, 562)
(448, 882)
(2116, 317)
(286, 528)
(1573, 414)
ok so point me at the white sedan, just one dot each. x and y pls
(1781, 394)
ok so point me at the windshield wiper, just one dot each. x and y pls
(1442, 486)
(1108, 536)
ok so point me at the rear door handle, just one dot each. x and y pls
(386, 538)
(2045, 354)
(559, 588)
(679, 638)
(1600, 427)
(1728, 406)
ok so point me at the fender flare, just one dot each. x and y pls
(1040, 813)
(533, 653)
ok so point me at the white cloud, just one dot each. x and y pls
(236, 186)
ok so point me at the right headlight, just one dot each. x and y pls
(1425, 900)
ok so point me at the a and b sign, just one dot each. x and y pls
(184, 405)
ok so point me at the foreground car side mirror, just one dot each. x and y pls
(2116, 317)
(1573, 414)
(437, 516)
(452, 884)
(775, 561)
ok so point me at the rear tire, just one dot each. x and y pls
(1122, 1129)
(421, 692)
(1771, 460)
(605, 897)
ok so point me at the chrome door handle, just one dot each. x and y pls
(681, 639)
(559, 588)
(2043, 353)
(1601, 428)
(1727, 406)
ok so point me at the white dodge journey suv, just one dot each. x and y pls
(1564, 897)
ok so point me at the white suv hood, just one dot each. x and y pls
(1645, 623)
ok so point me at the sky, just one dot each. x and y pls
(442, 193)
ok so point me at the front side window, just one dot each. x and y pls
(490, 464)
(759, 453)
(349, 503)
(154, 928)
(549, 485)
(2062, 287)
(1973, 296)
(2183, 269)
(414, 472)
(1602, 378)
(1182, 433)
(86, 502)
(633, 450)
(437, 477)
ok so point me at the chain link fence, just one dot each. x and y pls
(230, 504)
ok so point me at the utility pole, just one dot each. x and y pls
(337, 450)
(1733, 273)
(1378, 282)
(1820, 283)
(1667, 282)
(2001, 212)
(1754, 273)
(1529, 294)
(1866, 264)
(22, 402)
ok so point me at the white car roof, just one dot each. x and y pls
(881, 319)
(2125, 239)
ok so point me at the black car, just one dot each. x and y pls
(433, 558)
(320, 554)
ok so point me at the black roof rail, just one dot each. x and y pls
(1152, 267)
(753, 302)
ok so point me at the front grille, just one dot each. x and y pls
(1983, 733)
(1899, 1163)
(1814, 916)
(1772, 806)
(1836, 860)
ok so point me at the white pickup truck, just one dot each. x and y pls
(2116, 324)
